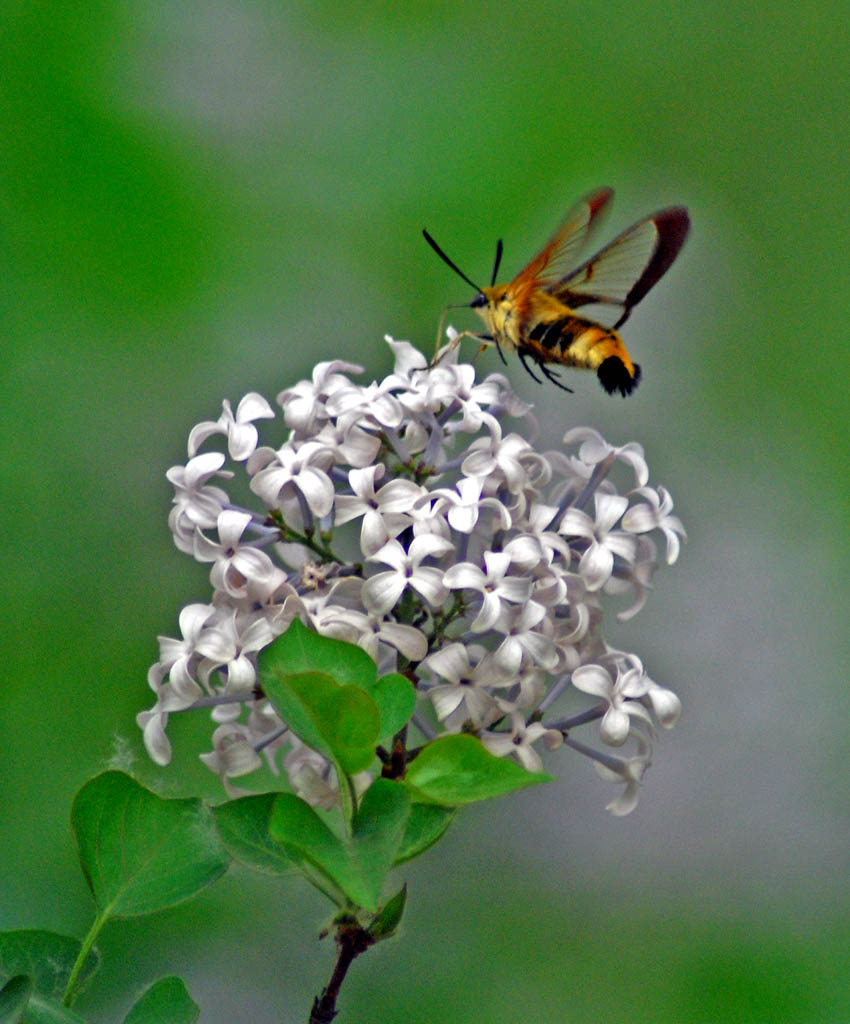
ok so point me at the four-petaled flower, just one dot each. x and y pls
(239, 429)
(381, 591)
(603, 542)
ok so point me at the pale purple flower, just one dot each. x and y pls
(630, 772)
(494, 585)
(470, 673)
(294, 478)
(522, 639)
(233, 753)
(235, 563)
(604, 542)
(368, 631)
(466, 504)
(595, 450)
(384, 511)
(381, 591)
(654, 514)
(621, 697)
(196, 502)
(228, 645)
(372, 404)
(239, 429)
(509, 458)
(303, 404)
(520, 741)
(178, 659)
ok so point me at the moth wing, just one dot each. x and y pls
(566, 242)
(621, 273)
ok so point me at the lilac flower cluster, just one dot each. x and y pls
(405, 517)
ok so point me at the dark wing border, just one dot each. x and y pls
(601, 279)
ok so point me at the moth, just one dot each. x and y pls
(541, 313)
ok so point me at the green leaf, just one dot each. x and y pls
(166, 1002)
(340, 722)
(46, 957)
(459, 769)
(355, 869)
(388, 918)
(243, 825)
(300, 649)
(314, 847)
(378, 833)
(141, 853)
(42, 1010)
(294, 673)
(14, 997)
(395, 698)
(425, 825)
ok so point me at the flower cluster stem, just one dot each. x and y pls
(351, 941)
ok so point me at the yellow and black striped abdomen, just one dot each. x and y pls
(574, 341)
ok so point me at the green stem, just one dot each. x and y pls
(85, 949)
(288, 534)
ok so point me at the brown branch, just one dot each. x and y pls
(351, 941)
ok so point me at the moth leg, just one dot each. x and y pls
(524, 360)
(484, 340)
(550, 375)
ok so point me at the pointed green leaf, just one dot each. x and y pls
(388, 918)
(355, 723)
(357, 868)
(314, 847)
(425, 825)
(459, 769)
(395, 698)
(46, 957)
(166, 1002)
(14, 997)
(42, 1010)
(141, 853)
(243, 825)
(378, 832)
(340, 722)
(300, 649)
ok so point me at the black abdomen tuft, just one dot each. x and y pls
(613, 376)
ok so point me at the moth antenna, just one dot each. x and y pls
(448, 262)
(497, 261)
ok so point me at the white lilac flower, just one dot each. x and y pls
(603, 541)
(303, 405)
(233, 752)
(197, 504)
(621, 697)
(178, 659)
(654, 514)
(384, 511)
(594, 451)
(494, 585)
(466, 504)
(295, 479)
(520, 740)
(239, 429)
(630, 772)
(381, 591)
(235, 564)
(228, 645)
(469, 675)
(415, 517)
(370, 631)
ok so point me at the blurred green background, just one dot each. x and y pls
(199, 200)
